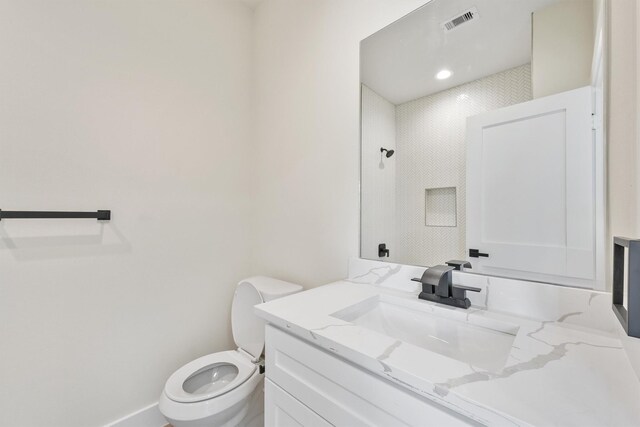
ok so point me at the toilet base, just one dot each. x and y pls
(246, 413)
(254, 416)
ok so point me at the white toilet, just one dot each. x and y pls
(226, 388)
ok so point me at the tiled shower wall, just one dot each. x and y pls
(428, 135)
(431, 152)
(378, 175)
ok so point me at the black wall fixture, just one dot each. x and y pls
(629, 316)
(388, 154)
(382, 250)
(475, 253)
(103, 215)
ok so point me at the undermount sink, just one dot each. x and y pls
(477, 340)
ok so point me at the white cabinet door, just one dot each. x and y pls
(283, 410)
(531, 189)
(343, 394)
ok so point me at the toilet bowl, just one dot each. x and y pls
(225, 389)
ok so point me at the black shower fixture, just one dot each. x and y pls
(389, 152)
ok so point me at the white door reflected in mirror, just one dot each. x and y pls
(489, 115)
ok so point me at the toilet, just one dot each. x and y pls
(225, 389)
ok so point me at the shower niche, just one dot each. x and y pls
(440, 207)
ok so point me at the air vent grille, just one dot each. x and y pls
(458, 20)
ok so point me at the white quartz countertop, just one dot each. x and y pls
(557, 373)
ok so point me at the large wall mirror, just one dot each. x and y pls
(481, 139)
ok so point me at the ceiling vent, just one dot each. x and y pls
(463, 18)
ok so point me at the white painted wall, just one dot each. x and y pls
(623, 132)
(562, 46)
(632, 345)
(307, 132)
(93, 318)
(378, 198)
(143, 108)
(622, 178)
(625, 51)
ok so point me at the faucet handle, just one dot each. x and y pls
(458, 264)
(460, 292)
(468, 288)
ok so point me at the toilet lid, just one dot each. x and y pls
(248, 329)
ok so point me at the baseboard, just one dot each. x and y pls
(148, 416)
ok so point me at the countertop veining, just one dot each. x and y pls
(557, 373)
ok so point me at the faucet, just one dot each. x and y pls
(437, 286)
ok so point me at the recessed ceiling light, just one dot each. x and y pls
(443, 74)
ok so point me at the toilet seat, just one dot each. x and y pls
(229, 360)
(218, 389)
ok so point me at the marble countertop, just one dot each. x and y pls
(558, 372)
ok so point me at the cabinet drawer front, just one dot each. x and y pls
(344, 394)
(283, 410)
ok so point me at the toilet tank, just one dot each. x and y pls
(271, 288)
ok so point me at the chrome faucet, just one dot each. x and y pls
(438, 287)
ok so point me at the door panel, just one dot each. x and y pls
(530, 188)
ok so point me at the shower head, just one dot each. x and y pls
(389, 152)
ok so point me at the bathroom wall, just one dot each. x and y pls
(632, 345)
(561, 53)
(378, 198)
(623, 132)
(431, 152)
(307, 99)
(143, 108)
(621, 110)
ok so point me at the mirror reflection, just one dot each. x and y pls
(480, 139)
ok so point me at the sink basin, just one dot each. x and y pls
(476, 340)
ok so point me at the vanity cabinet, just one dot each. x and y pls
(282, 409)
(309, 386)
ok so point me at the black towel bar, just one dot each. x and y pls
(99, 215)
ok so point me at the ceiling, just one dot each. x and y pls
(400, 61)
